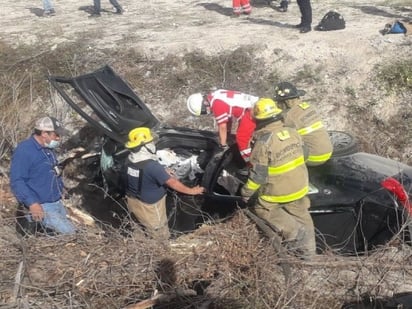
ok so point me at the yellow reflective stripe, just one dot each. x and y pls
(276, 170)
(320, 158)
(250, 184)
(285, 198)
(316, 126)
(304, 105)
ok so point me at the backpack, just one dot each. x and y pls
(331, 21)
(398, 27)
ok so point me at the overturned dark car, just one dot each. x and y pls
(359, 201)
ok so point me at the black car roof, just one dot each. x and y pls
(111, 104)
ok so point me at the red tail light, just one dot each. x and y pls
(394, 186)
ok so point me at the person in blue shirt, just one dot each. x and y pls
(35, 177)
(147, 181)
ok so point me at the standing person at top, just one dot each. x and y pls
(305, 118)
(280, 178)
(35, 176)
(305, 16)
(97, 8)
(305, 8)
(48, 8)
(241, 7)
(146, 184)
(226, 106)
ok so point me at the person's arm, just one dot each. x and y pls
(176, 185)
(20, 165)
(223, 133)
(221, 113)
(258, 173)
(19, 174)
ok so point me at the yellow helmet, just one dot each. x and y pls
(139, 137)
(266, 108)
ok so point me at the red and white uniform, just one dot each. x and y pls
(230, 105)
(241, 6)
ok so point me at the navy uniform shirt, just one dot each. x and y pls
(146, 181)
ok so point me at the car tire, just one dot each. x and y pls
(343, 143)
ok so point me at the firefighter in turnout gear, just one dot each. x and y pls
(147, 181)
(305, 118)
(280, 179)
(228, 106)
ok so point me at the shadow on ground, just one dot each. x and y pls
(36, 11)
(274, 23)
(226, 11)
(372, 10)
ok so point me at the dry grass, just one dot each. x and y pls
(390, 136)
(396, 76)
(24, 93)
(227, 265)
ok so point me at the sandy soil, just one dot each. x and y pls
(161, 27)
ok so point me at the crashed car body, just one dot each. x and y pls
(359, 201)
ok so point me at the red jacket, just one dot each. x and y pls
(227, 105)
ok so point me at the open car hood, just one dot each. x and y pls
(105, 101)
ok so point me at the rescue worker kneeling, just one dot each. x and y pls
(146, 184)
(280, 178)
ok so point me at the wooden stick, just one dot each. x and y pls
(147, 303)
(17, 282)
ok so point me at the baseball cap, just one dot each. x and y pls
(50, 124)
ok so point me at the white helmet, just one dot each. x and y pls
(195, 104)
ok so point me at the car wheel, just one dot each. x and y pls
(343, 143)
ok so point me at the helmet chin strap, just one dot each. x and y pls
(205, 110)
(150, 147)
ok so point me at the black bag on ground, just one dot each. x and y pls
(331, 21)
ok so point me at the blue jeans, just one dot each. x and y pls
(47, 5)
(55, 218)
(97, 7)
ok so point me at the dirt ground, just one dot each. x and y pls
(164, 27)
(345, 62)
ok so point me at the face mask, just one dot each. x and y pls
(146, 152)
(53, 144)
(151, 147)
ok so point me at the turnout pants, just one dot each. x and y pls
(152, 216)
(293, 221)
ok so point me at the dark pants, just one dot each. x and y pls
(97, 6)
(306, 12)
